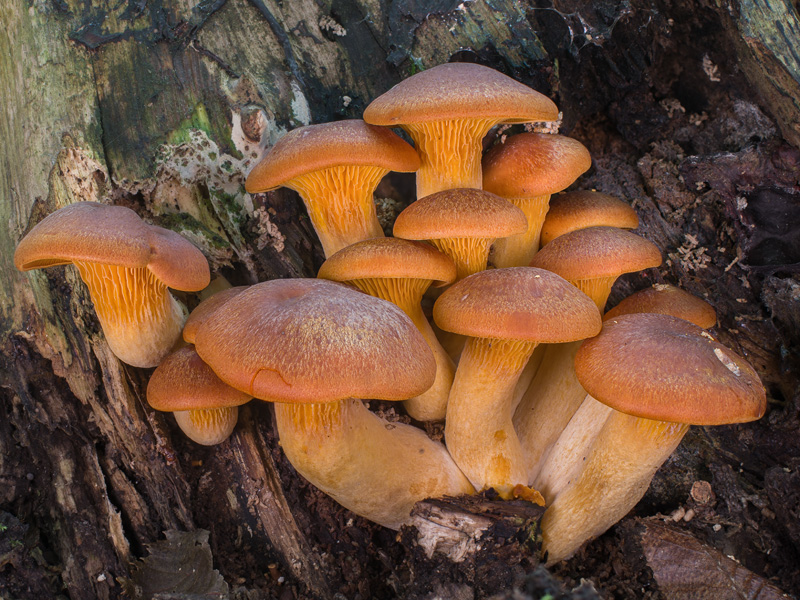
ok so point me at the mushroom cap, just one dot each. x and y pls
(312, 340)
(664, 368)
(534, 164)
(340, 143)
(389, 258)
(113, 235)
(460, 213)
(184, 382)
(457, 91)
(597, 252)
(666, 299)
(518, 303)
(205, 309)
(582, 209)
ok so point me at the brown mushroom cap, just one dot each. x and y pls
(457, 91)
(184, 382)
(460, 213)
(597, 252)
(519, 303)
(534, 164)
(326, 145)
(205, 309)
(113, 235)
(389, 258)
(311, 340)
(583, 209)
(667, 369)
(667, 299)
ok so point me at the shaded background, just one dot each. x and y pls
(691, 112)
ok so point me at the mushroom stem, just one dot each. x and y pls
(563, 461)
(518, 250)
(376, 469)
(623, 459)
(548, 404)
(407, 295)
(469, 254)
(140, 318)
(208, 426)
(450, 153)
(478, 429)
(340, 204)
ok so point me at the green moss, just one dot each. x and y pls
(185, 222)
(197, 120)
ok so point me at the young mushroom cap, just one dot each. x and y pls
(594, 258)
(506, 313)
(313, 346)
(583, 209)
(526, 169)
(462, 223)
(204, 406)
(666, 299)
(400, 271)
(335, 168)
(127, 265)
(659, 374)
(447, 110)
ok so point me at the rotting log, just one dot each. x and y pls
(163, 107)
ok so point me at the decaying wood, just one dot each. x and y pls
(690, 111)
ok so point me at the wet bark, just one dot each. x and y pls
(690, 110)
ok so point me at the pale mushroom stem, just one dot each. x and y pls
(518, 250)
(376, 469)
(141, 320)
(471, 255)
(621, 463)
(340, 204)
(407, 295)
(478, 429)
(555, 393)
(564, 460)
(208, 426)
(450, 153)
(548, 404)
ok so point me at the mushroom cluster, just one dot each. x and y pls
(517, 284)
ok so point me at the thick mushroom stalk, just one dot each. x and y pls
(335, 167)
(314, 346)
(505, 313)
(374, 468)
(656, 374)
(625, 455)
(447, 110)
(208, 426)
(527, 169)
(127, 266)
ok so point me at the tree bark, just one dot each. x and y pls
(689, 109)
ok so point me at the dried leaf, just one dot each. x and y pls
(179, 567)
(685, 568)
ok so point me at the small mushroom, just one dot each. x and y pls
(205, 408)
(335, 167)
(313, 347)
(658, 374)
(128, 266)
(461, 223)
(400, 271)
(666, 299)
(505, 313)
(447, 110)
(526, 170)
(583, 209)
